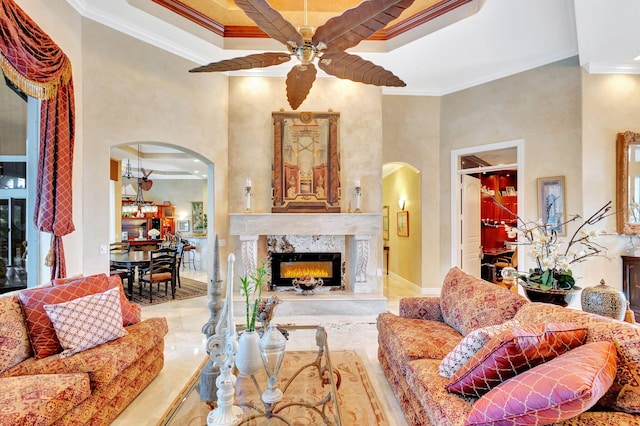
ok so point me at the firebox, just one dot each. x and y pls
(285, 267)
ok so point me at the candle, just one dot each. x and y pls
(248, 182)
(357, 182)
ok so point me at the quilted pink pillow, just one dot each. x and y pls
(468, 302)
(87, 322)
(552, 392)
(471, 344)
(512, 352)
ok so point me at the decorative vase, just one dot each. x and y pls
(553, 296)
(604, 300)
(248, 360)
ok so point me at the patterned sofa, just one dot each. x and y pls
(49, 374)
(600, 367)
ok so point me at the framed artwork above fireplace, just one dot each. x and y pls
(306, 164)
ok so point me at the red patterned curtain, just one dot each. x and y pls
(38, 67)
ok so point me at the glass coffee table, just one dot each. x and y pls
(308, 381)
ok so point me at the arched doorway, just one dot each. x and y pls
(402, 206)
(182, 182)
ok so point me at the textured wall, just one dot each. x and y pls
(411, 129)
(252, 100)
(541, 106)
(135, 92)
(406, 253)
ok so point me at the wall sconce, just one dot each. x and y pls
(401, 203)
(358, 194)
(247, 192)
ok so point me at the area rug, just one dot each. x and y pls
(358, 402)
(189, 288)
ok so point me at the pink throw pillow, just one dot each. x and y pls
(512, 352)
(470, 344)
(552, 392)
(87, 322)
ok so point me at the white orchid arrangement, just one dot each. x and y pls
(553, 255)
(153, 233)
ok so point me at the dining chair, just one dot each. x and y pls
(179, 254)
(119, 247)
(162, 269)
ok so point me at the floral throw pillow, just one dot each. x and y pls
(552, 392)
(512, 352)
(471, 344)
(87, 322)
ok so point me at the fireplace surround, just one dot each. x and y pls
(358, 229)
(285, 267)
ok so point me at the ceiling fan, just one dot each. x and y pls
(327, 44)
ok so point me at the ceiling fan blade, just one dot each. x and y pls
(258, 60)
(299, 82)
(354, 68)
(356, 24)
(270, 21)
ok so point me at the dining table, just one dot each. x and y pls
(131, 260)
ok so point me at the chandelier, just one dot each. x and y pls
(139, 205)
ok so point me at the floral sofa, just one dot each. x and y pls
(480, 354)
(74, 352)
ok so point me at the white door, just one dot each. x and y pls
(470, 225)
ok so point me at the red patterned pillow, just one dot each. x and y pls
(552, 392)
(512, 352)
(468, 347)
(14, 347)
(468, 302)
(88, 321)
(41, 333)
(130, 311)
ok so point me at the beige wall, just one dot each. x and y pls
(541, 106)
(252, 100)
(411, 131)
(135, 92)
(405, 253)
(611, 104)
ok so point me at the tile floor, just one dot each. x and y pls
(184, 350)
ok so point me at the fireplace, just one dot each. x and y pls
(285, 267)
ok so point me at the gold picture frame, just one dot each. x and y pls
(385, 223)
(552, 202)
(403, 223)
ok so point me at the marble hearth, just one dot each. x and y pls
(361, 289)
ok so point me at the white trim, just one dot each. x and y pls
(35, 275)
(455, 185)
(424, 291)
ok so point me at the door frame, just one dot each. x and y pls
(456, 189)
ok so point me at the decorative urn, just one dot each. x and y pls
(604, 300)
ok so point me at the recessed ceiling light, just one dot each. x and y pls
(637, 58)
(196, 161)
(196, 172)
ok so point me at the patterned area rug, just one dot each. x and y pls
(358, 402)
(189, 288)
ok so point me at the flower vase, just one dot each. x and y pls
(248, 360)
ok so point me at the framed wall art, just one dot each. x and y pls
(385, 223)
(403, 223)
(306, 164)
(183, 226)
(552, 202)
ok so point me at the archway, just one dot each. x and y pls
(402, 205)
(181, 178)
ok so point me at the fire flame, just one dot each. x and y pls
(297, 272)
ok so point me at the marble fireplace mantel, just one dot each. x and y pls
(358, 228)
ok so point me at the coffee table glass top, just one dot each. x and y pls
(308, 381)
